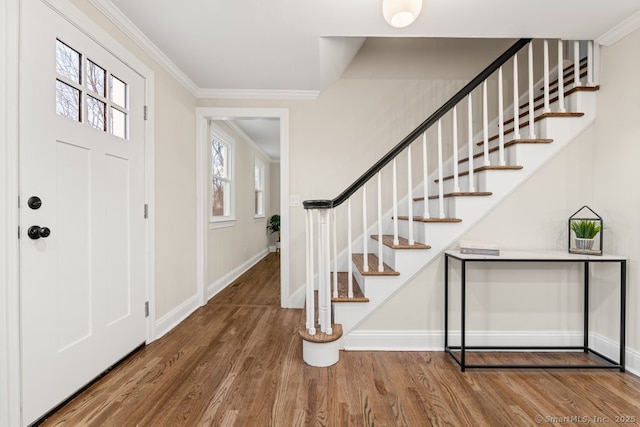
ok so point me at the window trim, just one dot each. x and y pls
(225, 220)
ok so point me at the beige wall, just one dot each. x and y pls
(174, 114)
(231, 247)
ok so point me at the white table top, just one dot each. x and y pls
(534, 255)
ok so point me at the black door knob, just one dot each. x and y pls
(35, 232)
(34, 202)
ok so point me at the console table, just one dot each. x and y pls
(537, 257)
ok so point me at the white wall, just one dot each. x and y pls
(231, 247)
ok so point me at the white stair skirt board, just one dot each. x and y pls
(320, 354)
(439, 236)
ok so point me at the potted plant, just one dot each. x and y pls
(274, 227)
(585, 231)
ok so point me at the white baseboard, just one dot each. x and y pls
(228, 278)
(434, 341)
(175, 316)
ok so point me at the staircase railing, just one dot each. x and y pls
(321, 247)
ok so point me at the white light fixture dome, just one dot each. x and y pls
(401, 13)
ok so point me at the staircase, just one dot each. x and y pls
(464, 166)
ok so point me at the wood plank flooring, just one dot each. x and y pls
(238, 362)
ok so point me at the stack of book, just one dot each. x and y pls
(478, 248)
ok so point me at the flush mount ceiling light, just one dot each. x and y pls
(401, 13)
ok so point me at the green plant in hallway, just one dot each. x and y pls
(274, 227)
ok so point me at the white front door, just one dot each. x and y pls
(81, 209)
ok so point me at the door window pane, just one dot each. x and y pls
(118, 123)
(96, 78)
(67, 101)
(96, 111)
(67, 62)
(118, 92)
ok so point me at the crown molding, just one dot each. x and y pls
(116, 16)
(290, 95)
(624, 28)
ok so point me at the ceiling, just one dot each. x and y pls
(304, 45)
(264, 132)
(296, 48)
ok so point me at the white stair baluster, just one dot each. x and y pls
(516, 99)
(310, 303)
(472, 186)
(365, 235)
(380, 262)
(501, 161)
(576, 64)
(456, 181)
(322, 278)
(561, 105)
(349, 251)
(335, 254)
(440, 180)
(326, 302)
(396, 241)
(590, 80)
(410, 198)
(532, 110)
(545, 61)
(425, 175)
(485, 124)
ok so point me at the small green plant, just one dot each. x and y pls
(274, 225)
(585, 229)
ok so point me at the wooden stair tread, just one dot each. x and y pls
(539, 105)
(537, 118)
(509, 144)
(457, 194)
(343, 290)
(358, 260)
(484, 168)
(321, 337)
(428, 220)
(403, 243)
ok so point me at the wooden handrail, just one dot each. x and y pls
(430, 121)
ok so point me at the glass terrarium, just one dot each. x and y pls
(585, 230)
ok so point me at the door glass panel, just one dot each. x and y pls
(118, 92)
(67, 101)
(118, 123)
(96, 78)
(96, 111)
(67, 62)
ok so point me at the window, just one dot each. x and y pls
(90, 94)
(221, 176)
(258, 180)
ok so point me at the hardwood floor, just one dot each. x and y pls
(238, 362)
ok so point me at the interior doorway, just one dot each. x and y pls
(243, 119)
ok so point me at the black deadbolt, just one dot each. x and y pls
(34, 202)
(35, 232)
